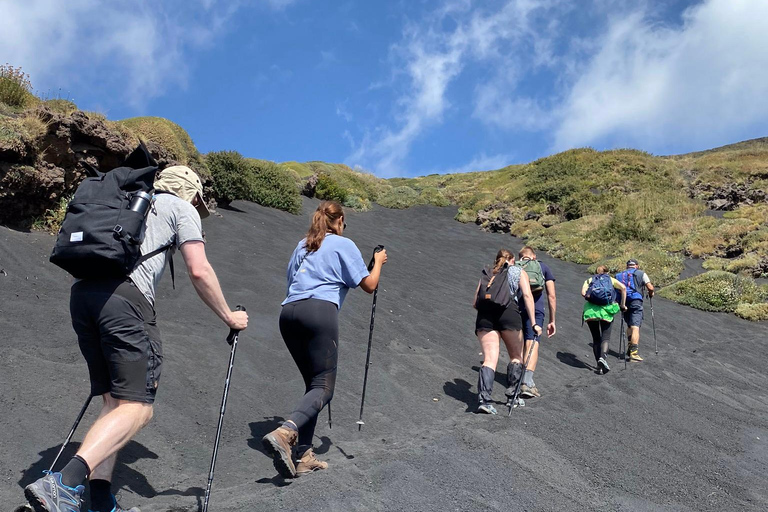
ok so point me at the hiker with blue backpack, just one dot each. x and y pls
(498, 318)
(637, 283)
(600, 307)
(119, 232)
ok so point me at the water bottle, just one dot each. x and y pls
(140, 202)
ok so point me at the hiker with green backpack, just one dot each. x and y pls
(498, 318)
(542, 281)
(119, 232)
(600, 307)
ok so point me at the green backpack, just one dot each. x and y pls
(535, 274)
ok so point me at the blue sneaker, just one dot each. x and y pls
(48, 494)
(118, 508)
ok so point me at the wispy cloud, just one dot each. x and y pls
(651, 86)
(430, 58)
(610, 73)
(138, 49)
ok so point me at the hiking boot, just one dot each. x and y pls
(529, 392)
(602, 365)
(633, 354)
(309, 463)
(487, 409)
(278, 444)
(48, 494)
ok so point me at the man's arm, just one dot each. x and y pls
(648, 285)
(552, 302)
(207, 285)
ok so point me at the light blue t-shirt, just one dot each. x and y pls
(326, 274)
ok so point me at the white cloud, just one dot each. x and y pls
(430, 58)
(652, 86)
(135, 49)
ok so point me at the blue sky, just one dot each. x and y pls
(404, 88)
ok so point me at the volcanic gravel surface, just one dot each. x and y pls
(684, 430)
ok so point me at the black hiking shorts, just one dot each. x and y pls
(498, 318)
(117, 331)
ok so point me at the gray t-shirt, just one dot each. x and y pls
(172, 221)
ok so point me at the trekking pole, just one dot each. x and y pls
(653, 323)
(71, 432)
(513, 401)
(330, 421)
(360, 421)
(232, 340)
(621, 334)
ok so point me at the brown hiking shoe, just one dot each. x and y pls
(309, 463)
(529, 392)
(278, 444)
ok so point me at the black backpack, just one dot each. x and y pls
(494, 288)
(600, 290)
(101, 237)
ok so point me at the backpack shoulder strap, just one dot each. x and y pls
(160, 250)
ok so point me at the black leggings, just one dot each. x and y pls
(601, 335)
(310, 329)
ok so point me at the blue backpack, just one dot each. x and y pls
(632, 278)
(600, 290)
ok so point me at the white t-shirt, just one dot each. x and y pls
(171, 221)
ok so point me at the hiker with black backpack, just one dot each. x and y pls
(600, 307)
(637, 283)
(120, 229)
(498, 317)
(542, 282)
(323, 267)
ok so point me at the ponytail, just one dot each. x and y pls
(326, 215)
(501, 258)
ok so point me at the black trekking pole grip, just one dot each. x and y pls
(513, 402)
(378, 249)
(233, 332)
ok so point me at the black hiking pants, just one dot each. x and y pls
(310, 329)
(601, 335)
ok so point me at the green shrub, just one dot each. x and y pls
(400, 198)
(357, 203)
(274, 186)
(466, 215)
(753, 312)
(15, 87)
(431, 195)
(328, 189)
(231, 176)
(715, 291)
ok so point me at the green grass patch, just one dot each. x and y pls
(15, 87)
(715, 291)
(51, 220)
(400, 198)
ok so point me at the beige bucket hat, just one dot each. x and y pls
(183, 182)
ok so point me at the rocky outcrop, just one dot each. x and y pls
(36, 174)
(729, 196)
(496, 218)
(310, 187)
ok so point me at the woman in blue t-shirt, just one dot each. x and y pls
(322, 269)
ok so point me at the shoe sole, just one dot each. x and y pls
(281, 460)
(36, 502)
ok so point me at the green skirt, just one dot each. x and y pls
(596, 312)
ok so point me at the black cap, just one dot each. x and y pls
(632, 262)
